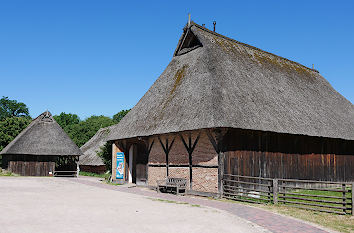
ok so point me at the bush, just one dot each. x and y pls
(106, 154)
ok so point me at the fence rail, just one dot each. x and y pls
(330, 197)
(66, 173)
(247, 188)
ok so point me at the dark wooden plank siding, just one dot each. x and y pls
(327, 167)
(275, 155)
(31, 168)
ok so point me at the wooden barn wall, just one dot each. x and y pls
(204, 161)
(31, 168)
(27, 158)
(94, 169)
(265, 154)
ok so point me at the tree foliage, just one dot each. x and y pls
(105, 153)
(65, 119)
(119, 116)
(9, 128)
(82, 132)
(12, 108)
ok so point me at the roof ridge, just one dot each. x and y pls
(247, 45)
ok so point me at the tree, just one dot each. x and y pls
(119, 116)
(12, 108)
(82, 132)
(65, 119)
(105, 153)
(9, 128)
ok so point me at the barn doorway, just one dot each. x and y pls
(136, 163)
(131, 164)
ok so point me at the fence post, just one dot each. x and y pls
(275, 191)
(344, 198)
(353, 199)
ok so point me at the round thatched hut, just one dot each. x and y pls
(42, 149)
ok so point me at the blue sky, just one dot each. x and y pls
(99, 57)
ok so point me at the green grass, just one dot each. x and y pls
(6, 173)
(317, 200)
(304, 194)
(92, 174)
(342, 223)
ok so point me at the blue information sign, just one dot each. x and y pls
(120, 165)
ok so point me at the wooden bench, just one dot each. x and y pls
(172, 185)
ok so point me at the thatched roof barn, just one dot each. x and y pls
(90, 161)
(37, 149)
(214, 81)
(227, 96)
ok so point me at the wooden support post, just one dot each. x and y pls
(114, 161)
(190, 148)
(167, 152)
(275, 191)
(166, 148)
(149, 147)
(353, 199)
(217, 143)
(221, 173)
(190, 161)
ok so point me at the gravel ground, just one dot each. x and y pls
(41, 204)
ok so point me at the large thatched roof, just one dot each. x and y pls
(43, 136)
(214, 81)
(93, 146)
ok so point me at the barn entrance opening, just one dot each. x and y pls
(137, 164)
(66, 166)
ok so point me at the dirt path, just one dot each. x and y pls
(270, 221)
(30, 204)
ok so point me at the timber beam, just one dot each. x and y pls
(216, 138)
(166, 148)
(190, 148)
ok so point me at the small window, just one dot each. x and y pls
(189, 42)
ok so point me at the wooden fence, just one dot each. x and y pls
(330, 197)
(248, 188)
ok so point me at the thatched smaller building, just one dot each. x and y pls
(41, 149)
(90, 161)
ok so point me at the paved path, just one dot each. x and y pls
(272, 222)
(56, 205)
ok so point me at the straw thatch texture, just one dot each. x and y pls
(43, 136)
(225, 83)
(93, 146)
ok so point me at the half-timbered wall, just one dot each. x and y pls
(204, 161)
